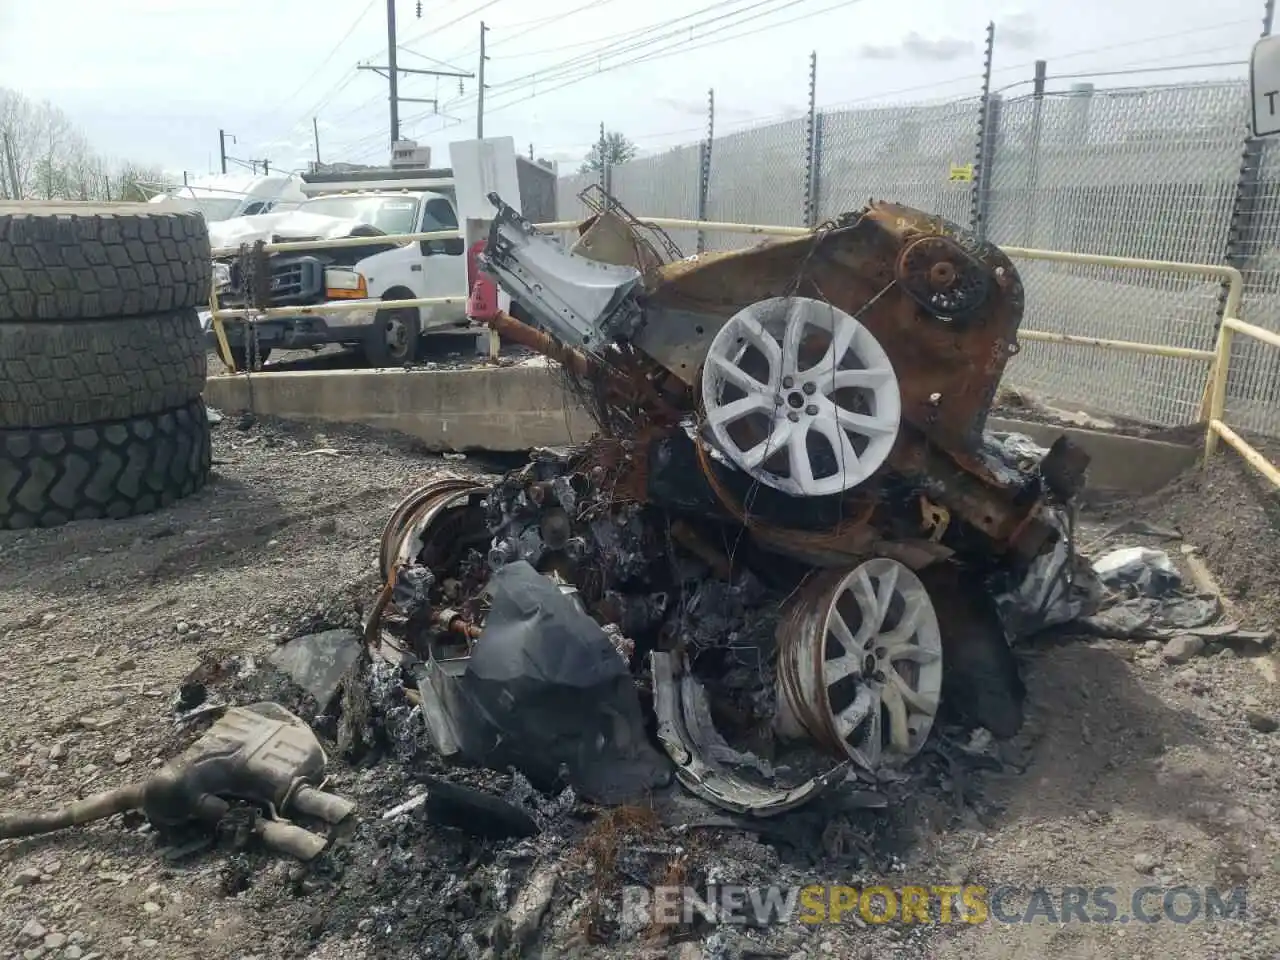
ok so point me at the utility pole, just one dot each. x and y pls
(480, 91)
(222, 147)
(315, 130)
(392, 72)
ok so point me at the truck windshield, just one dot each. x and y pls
(388, 214)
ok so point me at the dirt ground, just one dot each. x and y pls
(1130, 771)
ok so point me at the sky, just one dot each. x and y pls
(153, 81)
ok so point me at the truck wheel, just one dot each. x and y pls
(56, 372)
(392, 340)
(73, 261)
(110, 469)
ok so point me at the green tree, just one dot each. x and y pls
(616, 149)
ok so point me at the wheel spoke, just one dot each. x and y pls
(865, 595)
(777, 440)
(913, 653)
(798, 452)
(884, 596)
(861, 424)
(833, 380)
(841, 445)
(842, 334)
(874, 745)
(899, 637)
(762, 340)
(864, 704)
(837, 626)
(731, 412)
(899, 735)
(734, 374)
(913, 699)
(793, 336)
(846, 665)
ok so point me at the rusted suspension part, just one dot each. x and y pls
(414, 514)
(410, 523)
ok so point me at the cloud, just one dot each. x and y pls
(1017, 32)
(914, 46)
(944, 49)
(878, 52)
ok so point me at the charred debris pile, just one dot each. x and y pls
(791, 544)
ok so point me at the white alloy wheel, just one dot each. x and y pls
(801, 396)
(867, 669)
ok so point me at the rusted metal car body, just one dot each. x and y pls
(792, 440)
(944, 307)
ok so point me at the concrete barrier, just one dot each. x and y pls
(484, 408)
(1128, 464)
(511, 409)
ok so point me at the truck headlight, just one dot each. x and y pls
(344, 284)
(221, 276)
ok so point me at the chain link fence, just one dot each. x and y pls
(903, 154)
(757, 176)
(1112, 173)
(1149, 173)
(1253, 391)
(665, 185)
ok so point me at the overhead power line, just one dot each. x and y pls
(604, 55)
(325, 62)
(458, 19)
(679, 47)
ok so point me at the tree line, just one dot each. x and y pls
(44, 157)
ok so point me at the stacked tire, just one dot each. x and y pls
(102, 360)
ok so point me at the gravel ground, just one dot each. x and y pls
(1130, 770)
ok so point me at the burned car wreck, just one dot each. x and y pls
(792, 533)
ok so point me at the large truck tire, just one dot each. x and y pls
(111, 469)
(67, 372)
(91, 261)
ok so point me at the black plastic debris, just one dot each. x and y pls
(1139, 571)
(474, 812)
(545, 692)
(318, 662)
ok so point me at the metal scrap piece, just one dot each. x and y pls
(702, 776)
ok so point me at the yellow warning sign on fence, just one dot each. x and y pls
(961, 173)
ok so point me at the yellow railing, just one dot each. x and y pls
(1218, 359)
(1218, 398)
